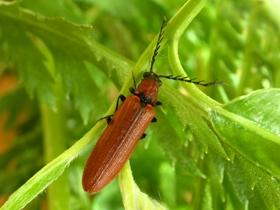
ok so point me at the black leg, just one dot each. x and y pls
(158, 103)
(122, 98)
(108, 118)
(154, 120)
(143, 136)
(132, 90)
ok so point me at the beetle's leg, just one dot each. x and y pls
(132, 90)
(143, 136)
(109, 117)
(158, 103)
(122, 98)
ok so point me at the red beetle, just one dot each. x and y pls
(126, 127)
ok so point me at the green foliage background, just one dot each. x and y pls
(214, 148)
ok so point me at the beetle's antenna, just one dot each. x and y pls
(193, 81)
(160, 37)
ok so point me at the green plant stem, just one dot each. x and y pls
(178, 25)
(54, 133)
(132, 196)
(53, 123)
(184, 17)
(177, 69)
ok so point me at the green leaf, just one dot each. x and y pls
(253, 130)
(36, 39)
(250, 130)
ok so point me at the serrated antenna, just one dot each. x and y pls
(193, 81)
(160, 37)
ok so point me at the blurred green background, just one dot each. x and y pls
(236, 42)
